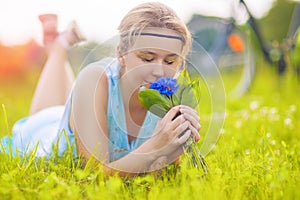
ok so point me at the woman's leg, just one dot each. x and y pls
(57, 77)
(55, 80)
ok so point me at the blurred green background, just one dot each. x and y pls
(20, 65)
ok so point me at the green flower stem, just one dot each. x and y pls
(171, 97)
(194, 155)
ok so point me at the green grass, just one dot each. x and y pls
(256, 157)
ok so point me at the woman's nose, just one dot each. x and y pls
(158, 70)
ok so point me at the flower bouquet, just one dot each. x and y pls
(166, 93)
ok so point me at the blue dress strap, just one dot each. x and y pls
(118, 135)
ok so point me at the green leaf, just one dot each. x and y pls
(183, 80)
(175, 100)
(189, 91)
(188, 97)
(153, 101)
(196, 90)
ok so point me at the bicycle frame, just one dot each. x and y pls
(253, 24)
(214, 35)
(266, 50)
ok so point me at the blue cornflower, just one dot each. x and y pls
(165, 85)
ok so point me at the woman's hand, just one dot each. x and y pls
(192, 116)
(165, 138)
(167, 141)
(188, 117)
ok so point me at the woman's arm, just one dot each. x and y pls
(89, 122)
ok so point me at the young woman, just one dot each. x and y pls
(102, 116)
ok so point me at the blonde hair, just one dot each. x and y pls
(151, 14)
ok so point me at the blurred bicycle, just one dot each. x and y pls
(230, 47)
(278, 53)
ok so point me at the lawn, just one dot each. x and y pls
(257, 155)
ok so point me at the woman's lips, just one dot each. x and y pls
(146, 84)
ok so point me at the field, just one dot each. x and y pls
(257, 155)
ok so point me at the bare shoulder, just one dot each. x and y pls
(91, 89)
(92, 75)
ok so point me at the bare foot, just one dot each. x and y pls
(49, 25)
(70, 36)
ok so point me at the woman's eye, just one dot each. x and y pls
(169, 62)
(147, 59)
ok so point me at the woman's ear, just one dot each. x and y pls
(120, 57)
(182, 65)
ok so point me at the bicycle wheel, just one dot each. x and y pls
(228, 47)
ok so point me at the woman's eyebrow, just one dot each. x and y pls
(147, 52)
(172, 55)
(153, 53)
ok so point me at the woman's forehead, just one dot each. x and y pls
(155, 52)
(157, 44)
(159, 39)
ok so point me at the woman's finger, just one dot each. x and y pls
(193, 121)
(172, 113)
(189, 110)
(178, 121)
(183, 127)
(184, 137)
(190, 115)
(195, 133)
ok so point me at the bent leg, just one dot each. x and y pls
(55, 81)
(57, 76)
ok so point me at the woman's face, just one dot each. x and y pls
(156, 52)
(144, 66)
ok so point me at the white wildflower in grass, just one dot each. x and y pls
(287, 121)
(267, 154)
(273, 111)
(254, 105)
(245, 115)
(222, 131)
(238, 124)
(264, 111)
(293, 108)
(273, 115)
(247, 152)
(273, 142)
(277, 152)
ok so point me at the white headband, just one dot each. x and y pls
(159, 38)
